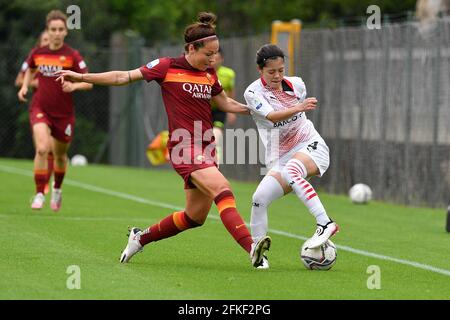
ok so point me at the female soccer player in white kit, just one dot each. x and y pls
(295, 151)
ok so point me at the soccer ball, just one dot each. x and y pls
(360, 193)
(320, 258)
(78, 160)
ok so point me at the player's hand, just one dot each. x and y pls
(22, 94)
(68, 86)
(307, 104)
(68, 75)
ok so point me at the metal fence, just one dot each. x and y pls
(384, 107)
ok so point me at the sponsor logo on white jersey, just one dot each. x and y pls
(284, 122)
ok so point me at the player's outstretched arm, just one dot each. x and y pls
(111, 78)
(226, 104)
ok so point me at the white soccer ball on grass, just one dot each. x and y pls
(360, 193)
(79, 160)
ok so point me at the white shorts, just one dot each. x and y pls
(316, 148)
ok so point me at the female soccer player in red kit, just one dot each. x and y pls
(42, 42)
(188, 84)
(52, 116)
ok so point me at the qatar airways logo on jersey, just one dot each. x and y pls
(285, 122)
(199, 91)
(49, 71)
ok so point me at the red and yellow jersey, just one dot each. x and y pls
(50, 97)
(186, 93)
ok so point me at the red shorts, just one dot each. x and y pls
(187, 159)
(61, 128)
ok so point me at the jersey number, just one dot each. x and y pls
(312, 146)
(68, 130)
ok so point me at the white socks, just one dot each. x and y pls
(294, 173)
(269, 189)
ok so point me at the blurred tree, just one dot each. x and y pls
(164, 20)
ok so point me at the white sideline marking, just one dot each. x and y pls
(172, 207)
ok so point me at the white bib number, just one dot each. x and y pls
(68, 130)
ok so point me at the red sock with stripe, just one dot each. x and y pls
(167, 227)
(40, 179)
(232, 220)
(294, 173)
(59, 177)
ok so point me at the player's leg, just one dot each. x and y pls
(41, 138)
(215, 186)
(295, 172)
(194, 215)
(60, 165)
(50, 161)
(271, 188)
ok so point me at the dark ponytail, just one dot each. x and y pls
(203, 28)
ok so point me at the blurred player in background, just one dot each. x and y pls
(188, 84)
(52, 114)
(294, 149)
(227, 79)
(34, 84)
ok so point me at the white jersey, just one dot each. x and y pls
(280, 137)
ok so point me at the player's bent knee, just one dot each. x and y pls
(224, 186)
(294, 168)
(42, 151)
(259, 199)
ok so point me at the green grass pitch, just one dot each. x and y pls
(409, 245)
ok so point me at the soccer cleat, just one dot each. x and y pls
(258, 249)
(56, 199)
(38, 201)
(323, 233)
(133, 246)
(264, 263)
